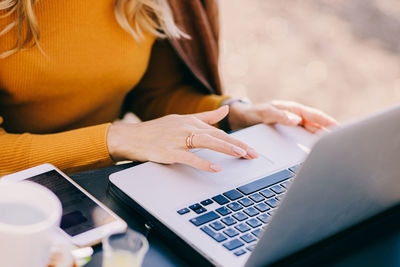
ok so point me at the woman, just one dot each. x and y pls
(71, 68)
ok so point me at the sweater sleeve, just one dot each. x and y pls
(70, 151)
(169, 88)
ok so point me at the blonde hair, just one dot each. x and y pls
(134, 16)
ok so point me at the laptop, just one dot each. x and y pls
(256, 212)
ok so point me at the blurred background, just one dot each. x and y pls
(342, 56)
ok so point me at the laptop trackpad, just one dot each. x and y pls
(233, 169)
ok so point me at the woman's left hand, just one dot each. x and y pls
(284, 112)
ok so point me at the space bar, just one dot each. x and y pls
(264, 182)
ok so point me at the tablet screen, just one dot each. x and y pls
(80, 213)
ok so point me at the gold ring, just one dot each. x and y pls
(189, 141)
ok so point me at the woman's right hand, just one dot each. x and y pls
(163, 140)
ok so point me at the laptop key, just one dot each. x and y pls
(195, 206)
(217, 225)
(201, 210)
(231, 232)
(265, 182)
(206, 202)
(285, 184)
(251, 211)
(233, 194)
(205, 218)
(261, 207)
(264, 218)
(242, 227)
(248, 238)
(223, 211)
(256, 197)
(257, 232)
(280, 197)
(272, 202)
(267, 193)
(183, 211)
(228, 220)
(240, 216)
(239, 252)
(220, 199)
(217, 236)
(278, 189)
(251, 247)
(233, 244)
(270, 213)
(246, 202)
(253, 222)
(234, 206)
(295, 169)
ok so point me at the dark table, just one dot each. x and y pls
(381, 249)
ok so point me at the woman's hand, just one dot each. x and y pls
(284, 112)
(163, 140)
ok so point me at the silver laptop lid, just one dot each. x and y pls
(350, 175)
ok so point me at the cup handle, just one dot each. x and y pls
(142, 252)
(60, 252)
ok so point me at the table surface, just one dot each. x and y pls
(383, 251)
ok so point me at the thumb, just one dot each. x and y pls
(214, 116)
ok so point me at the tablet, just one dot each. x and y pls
(85, 220)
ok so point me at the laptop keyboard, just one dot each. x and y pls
(243, 213)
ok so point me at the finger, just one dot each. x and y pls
(292, 118)
(211, 130)
(251, 152)
(288, 118)
(307, 113)
(271, 114)
(312, 127)
(216, 144)
(197, 162)
(214, 116)
(318, 117)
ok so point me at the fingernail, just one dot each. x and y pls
(215, 168)
(238, 151)
(295, 119)
(252, 153)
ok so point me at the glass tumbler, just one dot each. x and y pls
(124, 249)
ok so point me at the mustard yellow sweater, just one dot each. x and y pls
(57, 107)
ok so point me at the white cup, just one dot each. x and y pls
(29, 217)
